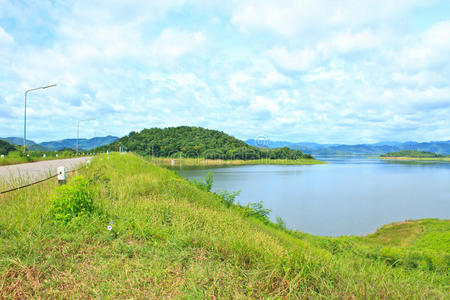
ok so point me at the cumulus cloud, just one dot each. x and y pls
(295, 60)
(324, 71)
(293, 17)
(5, 38)
(431, 49)
(351, 42)
(173, 44)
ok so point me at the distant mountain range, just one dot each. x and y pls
(31, 145)
(83, 144)
(441, 147)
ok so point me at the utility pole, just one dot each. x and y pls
(78, 130)
(25, 114)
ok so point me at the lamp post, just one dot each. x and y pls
(78, 129)
(25, 114)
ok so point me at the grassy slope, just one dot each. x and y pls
(170, 239)
(220, 162)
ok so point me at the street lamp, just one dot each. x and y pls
(25, 114)
(78, 129)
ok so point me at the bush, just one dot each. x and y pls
(206, 184)
(257, 210)
(280, 222)
(72, 200)
(227, 197)
(15, 154)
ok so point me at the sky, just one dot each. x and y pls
(326, 71)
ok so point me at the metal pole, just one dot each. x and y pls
(78, 131)
(78, 135)
(25, 114)
(25, 124)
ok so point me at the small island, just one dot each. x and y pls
(415, 155)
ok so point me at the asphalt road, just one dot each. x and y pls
(39, 170)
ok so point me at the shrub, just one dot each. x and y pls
(257, 210)
(206, 184)
(280, 222)
(15, 154)
(72, 200)
(227, 197)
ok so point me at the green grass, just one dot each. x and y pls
(191, 162)
(171, 239)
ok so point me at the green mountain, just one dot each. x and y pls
(17, 141)
(31, 145)
(6, 147)
(83, 144)
(193, 142)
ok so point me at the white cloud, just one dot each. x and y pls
(117, 11)
(236, 84)
(273, 79)
(419, 78)
(295, 60)
(331, 71)
(286, 17)
(173, 43)
(432, 49)
(351, 42)
(326, 74)
(261, 102)
(5, 38)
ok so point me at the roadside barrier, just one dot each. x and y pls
(61, 172)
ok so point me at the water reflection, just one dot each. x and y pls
(348, 196)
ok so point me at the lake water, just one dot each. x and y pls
(349, 196)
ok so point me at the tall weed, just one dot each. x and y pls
(72, 200)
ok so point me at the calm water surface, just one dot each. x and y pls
(348, 196)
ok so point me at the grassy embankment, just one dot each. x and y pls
(415, 155)
(191, 162)
(170, 239)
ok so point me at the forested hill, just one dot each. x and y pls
(412, 153)
(195, 141)
(6, 147)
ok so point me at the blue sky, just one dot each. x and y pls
(313, 70)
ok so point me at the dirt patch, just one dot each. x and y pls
(22, 282)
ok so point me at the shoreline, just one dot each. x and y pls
(237, 162)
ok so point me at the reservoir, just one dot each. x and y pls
(348, 196)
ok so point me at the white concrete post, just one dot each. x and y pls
(61, 174)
